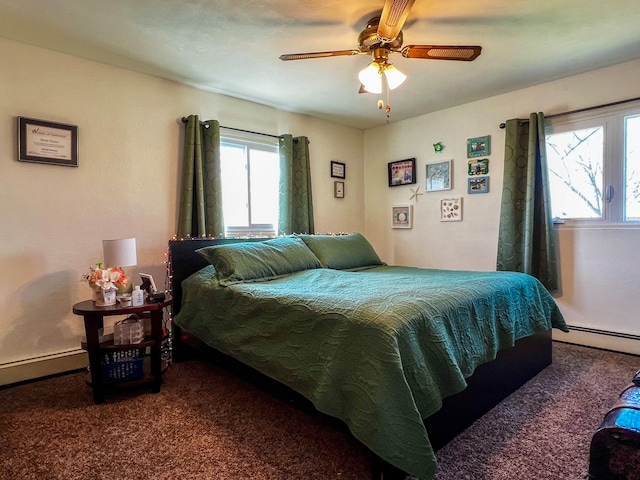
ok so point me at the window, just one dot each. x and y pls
(594, 167)
(250, 171)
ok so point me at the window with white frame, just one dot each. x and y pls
(593, 162)
(250, 172)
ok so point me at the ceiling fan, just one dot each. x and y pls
(382, 37)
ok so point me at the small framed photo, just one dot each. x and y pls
(148, 285)
(478, 185)
(338, 189)
(439, 176)
(338, 169)
(402, 172)
(402, 216)
(40, 141)
(451, 209)
(479, 146)
(479, 166)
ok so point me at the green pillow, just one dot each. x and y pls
(259, 261)
(343, 252)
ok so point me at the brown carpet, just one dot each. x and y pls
(208, 423)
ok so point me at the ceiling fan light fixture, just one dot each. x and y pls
(395, 77)
(371, 78)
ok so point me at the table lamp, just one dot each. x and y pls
(120, 253)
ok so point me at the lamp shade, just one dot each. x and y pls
(120, 252)
(395, 77)
(371, 78)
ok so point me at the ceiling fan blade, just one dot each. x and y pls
(303, 56)
(442, 52)
(394, 14)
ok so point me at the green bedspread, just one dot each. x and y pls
(379, 348)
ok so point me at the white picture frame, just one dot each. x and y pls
(451, 209)
(402, 216)
(439, 176)
(146, 278)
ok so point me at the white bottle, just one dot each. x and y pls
(137, 296)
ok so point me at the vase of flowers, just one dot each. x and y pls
(104, 283)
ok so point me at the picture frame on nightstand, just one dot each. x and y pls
(148, 285)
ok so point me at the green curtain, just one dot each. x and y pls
(526, 241)
(296, 205)
(200, 212)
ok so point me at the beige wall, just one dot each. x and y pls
(55, 218)
(600, 278)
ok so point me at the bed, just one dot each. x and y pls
(406, 357)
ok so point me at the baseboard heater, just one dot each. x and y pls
(43, 366)
(628, 336)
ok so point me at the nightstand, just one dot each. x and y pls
(94, 320)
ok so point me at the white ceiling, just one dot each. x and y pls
(232, 46)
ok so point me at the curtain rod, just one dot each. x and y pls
(185, 120)
(580, 110)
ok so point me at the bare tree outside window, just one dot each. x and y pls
(632, 168)
(575, 163)
(594, 169)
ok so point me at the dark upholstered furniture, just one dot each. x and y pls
(615, 447)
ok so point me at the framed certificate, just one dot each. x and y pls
(40, 141)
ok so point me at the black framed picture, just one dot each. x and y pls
(40, 141)
(402, 172)
(338, 169)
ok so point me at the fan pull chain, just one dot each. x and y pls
(387, 109)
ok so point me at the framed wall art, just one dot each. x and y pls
(40, 141)
(451, 209)
(338, 189)
(479, 166)
(338, 169)
(478, 185)
(479, 146)
(402, 216)
(439, 176)
(402, 172)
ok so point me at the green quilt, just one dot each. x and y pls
(378, 348)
